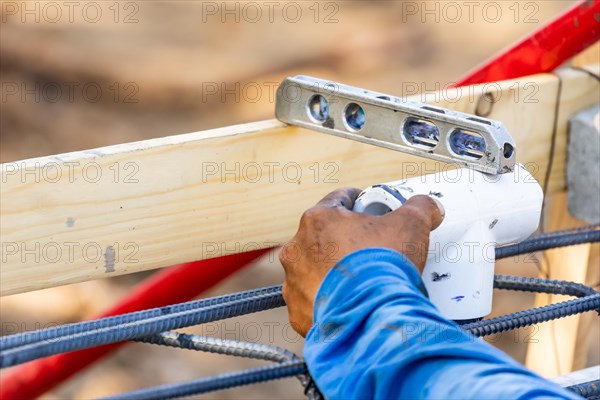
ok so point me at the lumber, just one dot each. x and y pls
(584, 344)
(560, 346)
(590, 56)
(145, 205)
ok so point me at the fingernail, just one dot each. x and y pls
(440, 206)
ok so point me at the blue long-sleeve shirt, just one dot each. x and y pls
(377, 335)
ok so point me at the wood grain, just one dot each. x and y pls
(559, 347)
(150, 204)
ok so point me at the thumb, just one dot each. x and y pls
(422, 210)
(414, 220)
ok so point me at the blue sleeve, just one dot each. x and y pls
(377, 335)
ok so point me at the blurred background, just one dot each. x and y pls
(81, 75)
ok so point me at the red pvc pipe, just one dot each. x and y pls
(545, 49)
(169, 286)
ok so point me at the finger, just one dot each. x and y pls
(343, 198)
(429, 211)
(284, 292)
(289, 254)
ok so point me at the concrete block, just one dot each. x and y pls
(583, 165)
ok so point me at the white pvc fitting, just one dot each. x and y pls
(482, 212)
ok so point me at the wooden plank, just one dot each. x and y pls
(583, 341)
(556, 349)
(589, 56)
(562, 345)
(155, 203)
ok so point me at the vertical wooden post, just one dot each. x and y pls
(560, 346)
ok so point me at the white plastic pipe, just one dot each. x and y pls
(482, 212)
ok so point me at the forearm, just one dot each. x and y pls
(376, 335)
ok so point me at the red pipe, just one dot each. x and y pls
(545, 49)
(169, 286)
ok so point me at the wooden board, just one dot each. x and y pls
(150, 204)
(560, 346)
(590, 56)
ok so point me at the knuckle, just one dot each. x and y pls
(282, 256)
(311, 215)
(284, 291)
(350, 193)
(289, 254)
(427, 204)
(417, 214)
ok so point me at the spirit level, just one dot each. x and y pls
(383, 120)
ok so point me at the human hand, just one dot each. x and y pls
(330, 230)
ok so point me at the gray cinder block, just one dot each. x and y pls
(583, 165)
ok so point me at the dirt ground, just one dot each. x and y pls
(140, 70)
